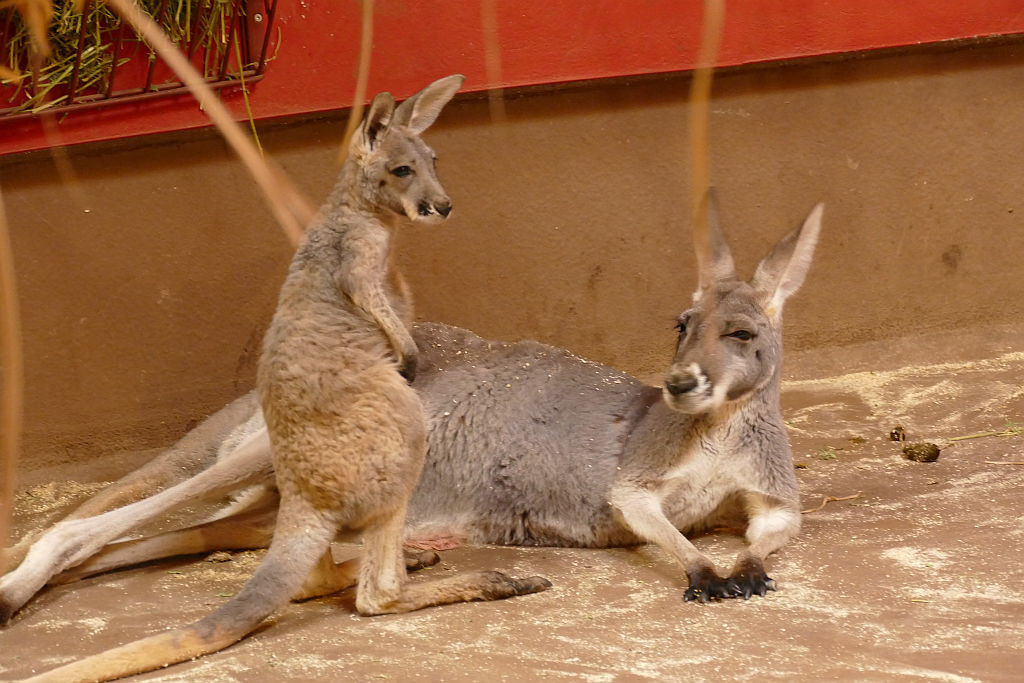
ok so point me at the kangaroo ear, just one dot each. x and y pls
(422, 109)
(375, 125)
(783, 270)
(714, 258)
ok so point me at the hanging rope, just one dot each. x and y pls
(362, 77)
(700, 94)
(492, 60)
(11, 389)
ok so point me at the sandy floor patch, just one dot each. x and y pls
(916, 579)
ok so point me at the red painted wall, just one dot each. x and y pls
(541, 41)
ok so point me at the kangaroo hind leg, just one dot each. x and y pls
(73, 541)
(191, 454)
(383, 588)
(243, 531)
(329, 576)
(302, 536)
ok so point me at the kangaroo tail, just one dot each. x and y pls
(289, 561)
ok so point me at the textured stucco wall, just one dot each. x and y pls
(145, 288)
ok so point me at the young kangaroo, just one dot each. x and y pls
(347, 432)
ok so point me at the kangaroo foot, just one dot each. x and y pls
(12, 599)
(748, 578)
(7, 611)
(533, 584)
(502, 586)
(706, 585)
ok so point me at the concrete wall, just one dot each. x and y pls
(145, 288)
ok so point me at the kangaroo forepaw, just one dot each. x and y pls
(745, 586)
(706, 585)
(407, 367)
(749, 579)
(421, 560)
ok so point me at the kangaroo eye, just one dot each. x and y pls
(742, 335)
(401, 171)
(681, 325)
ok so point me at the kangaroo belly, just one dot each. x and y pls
(359, 445)
(524, 441)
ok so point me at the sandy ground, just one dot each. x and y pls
(917, 578)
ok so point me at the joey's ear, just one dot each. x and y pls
(422, 109)
(783, 270)
(375, 125)
(714, 259)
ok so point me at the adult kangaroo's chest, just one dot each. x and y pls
(699, 481)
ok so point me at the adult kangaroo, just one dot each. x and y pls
(527, 444)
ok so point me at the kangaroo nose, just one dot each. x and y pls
(443, 209)
(681, 385)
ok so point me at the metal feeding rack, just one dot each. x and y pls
(98, 60)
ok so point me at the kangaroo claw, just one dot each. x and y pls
(750, 579)
(706, 585)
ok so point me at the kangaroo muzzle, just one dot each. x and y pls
(428, 209)
(691, 381)
(679, 386)
(690, 390)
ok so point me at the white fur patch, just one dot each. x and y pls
(718, 395)
(702, 379)
(773, 521)
(693, 465)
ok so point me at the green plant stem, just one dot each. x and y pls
(245, 94)
(1014, 431)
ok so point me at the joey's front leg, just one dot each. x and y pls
(642, 513)
(374, 301)
(408, 357)
(405, 349)
(370, 296)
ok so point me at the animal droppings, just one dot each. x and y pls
(921, 452)
(219, 556)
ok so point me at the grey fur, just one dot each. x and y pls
(531, 445)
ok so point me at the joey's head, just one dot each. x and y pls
(397, 170)
(730, 342)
